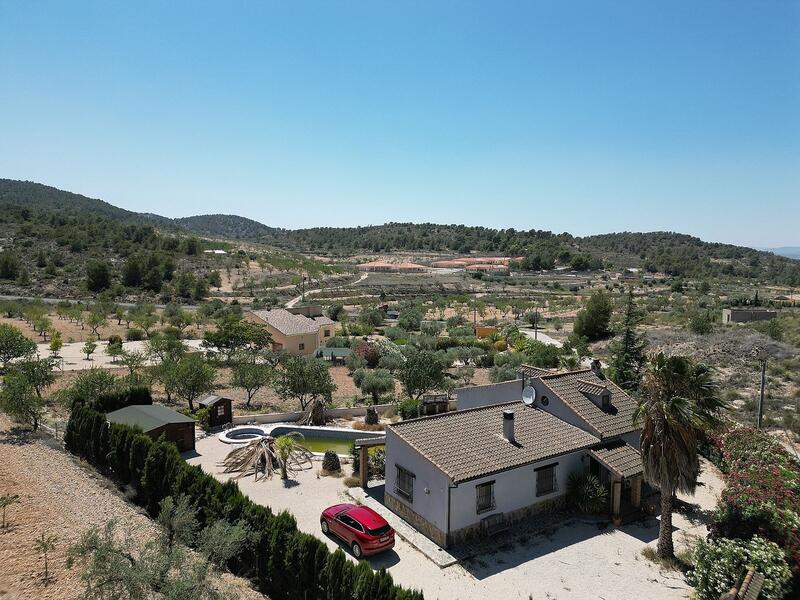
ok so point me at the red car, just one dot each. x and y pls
(361, 528)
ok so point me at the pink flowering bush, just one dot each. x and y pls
(762, 496)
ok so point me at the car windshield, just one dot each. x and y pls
(379, 531)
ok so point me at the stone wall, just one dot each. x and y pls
(476, 531)
(416, 521)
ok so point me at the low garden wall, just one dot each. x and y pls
(332, 413)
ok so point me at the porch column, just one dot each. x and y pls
(363, 466)
(636, 491)
(616, 494)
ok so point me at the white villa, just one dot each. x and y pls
(497, 460)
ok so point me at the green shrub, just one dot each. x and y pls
(201, 415)
(701, 323)
(719, 564)
(586, 493)
(409, 408)
(283, 562)
(135, 335)
(331, 462)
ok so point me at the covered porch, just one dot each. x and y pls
(619, 466)
(363, 445)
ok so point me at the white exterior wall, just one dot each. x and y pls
(487, 395)
(430, 484)
(513, 490)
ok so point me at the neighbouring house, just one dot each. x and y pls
(479, 469)
(220, 410)
(487, 268)
(463, 262)
(385, 266)
(156, 420)
(747, 315)
(296, 334)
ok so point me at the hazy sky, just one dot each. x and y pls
(584, 117)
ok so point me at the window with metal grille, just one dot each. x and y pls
(546, 480)
(404, 484)
(484, 496)
(302, 347)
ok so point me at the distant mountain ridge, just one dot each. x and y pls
(658, 252)
(230, 226)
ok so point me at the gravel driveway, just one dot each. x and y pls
(579, 561)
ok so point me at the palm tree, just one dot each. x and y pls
(290, 454)
(679, 401)
(262, 455)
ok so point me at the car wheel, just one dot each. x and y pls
(356, 550)
(324, 524)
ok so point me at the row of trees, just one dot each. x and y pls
(282, 561)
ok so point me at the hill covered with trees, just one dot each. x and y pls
(62, 244)
(45, 220)
(227, 226)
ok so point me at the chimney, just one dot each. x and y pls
(597, 369)
(508, 425)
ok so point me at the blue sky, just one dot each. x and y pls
(585, 117)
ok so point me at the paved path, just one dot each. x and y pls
(575, 562)
(542, 337)
(440, 557)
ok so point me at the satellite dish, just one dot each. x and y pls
(528, 396)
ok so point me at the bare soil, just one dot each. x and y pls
(62, 496)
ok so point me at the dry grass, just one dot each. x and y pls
(351, 481)
(361, 426)
(682, 561)
(60, 495)
(326, 473)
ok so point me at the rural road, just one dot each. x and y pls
(542, 337)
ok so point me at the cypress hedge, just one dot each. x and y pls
(283, 562)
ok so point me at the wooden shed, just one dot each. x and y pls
(156, 420)
(220, 410)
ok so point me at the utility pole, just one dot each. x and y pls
(763, 386)
(303, 295)
(474, 313)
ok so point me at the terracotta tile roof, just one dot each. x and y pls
(531, 371)
(591, 387)
(469, 443)
(618, 419)
(289, 324)
(622, 459)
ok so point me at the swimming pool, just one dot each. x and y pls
(316, 439)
